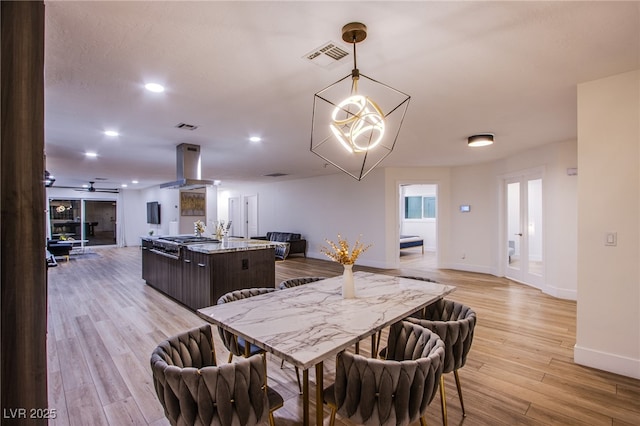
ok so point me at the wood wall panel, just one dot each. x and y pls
(22, 229)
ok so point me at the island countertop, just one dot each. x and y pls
(233, 244)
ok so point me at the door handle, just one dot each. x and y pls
(519, 234)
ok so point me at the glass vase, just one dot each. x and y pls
(348, 287)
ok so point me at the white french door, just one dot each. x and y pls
(524, 230)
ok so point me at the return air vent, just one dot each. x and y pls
(277, 174)
(185, 126)
(327, 55)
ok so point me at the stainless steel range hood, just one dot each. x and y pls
(187, 168)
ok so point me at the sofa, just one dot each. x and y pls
(59, 248)
(296, 244)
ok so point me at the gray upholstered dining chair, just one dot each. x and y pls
(294, 282)
(194, 390)
(454, 322)
(395, 391)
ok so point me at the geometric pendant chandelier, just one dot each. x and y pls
(356, 120)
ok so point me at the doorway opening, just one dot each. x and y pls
(418, 225)
(88, 222)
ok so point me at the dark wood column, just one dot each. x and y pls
(22, 229)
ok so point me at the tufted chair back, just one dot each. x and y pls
(389, 392)
(294, 282)
(194, 391)
(237, 346)
(455, 324)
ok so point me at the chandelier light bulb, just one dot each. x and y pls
(363, 128)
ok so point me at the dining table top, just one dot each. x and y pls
(307, 324)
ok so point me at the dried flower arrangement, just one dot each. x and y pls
(221, 228)
(198, 228)
(340, 252)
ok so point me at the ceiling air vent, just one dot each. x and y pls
(277, 174)
(327, 55)
(185, 126)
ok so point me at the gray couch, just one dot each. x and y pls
(297, 245)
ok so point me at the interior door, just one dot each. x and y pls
(251, 215)
(524, 233)
(235, 216)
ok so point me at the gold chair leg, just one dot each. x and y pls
(455, 373)
(264, 362)
(282, 364)
(444, 401)
(332, 419)
(230, 357)
(357, 347)
(272, 421)
(423, 421)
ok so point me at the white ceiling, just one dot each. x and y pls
(236, 69)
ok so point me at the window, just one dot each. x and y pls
(417, 207)
(412, 207)
(429, 207)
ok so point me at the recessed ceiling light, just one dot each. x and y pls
(85, 185)
(91, 154)
(134, 181)
(111, 133)
(255, 138)
(154, 87)
(124, 185)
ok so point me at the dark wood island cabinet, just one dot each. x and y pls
(197, 274)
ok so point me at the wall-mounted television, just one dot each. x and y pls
(153, 212)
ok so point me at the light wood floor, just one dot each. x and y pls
(104, 322)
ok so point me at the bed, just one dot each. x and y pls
(409, 241)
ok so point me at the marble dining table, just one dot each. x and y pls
(308, 324)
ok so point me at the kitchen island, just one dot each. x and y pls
(196, 271)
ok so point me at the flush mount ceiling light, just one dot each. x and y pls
(483, 139)
(356, 120)
(111, 133)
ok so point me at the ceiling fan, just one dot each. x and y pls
(91, 188)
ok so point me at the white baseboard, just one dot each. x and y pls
(606, 361)
(561, 293)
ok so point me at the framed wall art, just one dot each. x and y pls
(192, 204)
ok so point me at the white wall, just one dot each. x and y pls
(473, 236)
(320, 208)
(608, 317)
